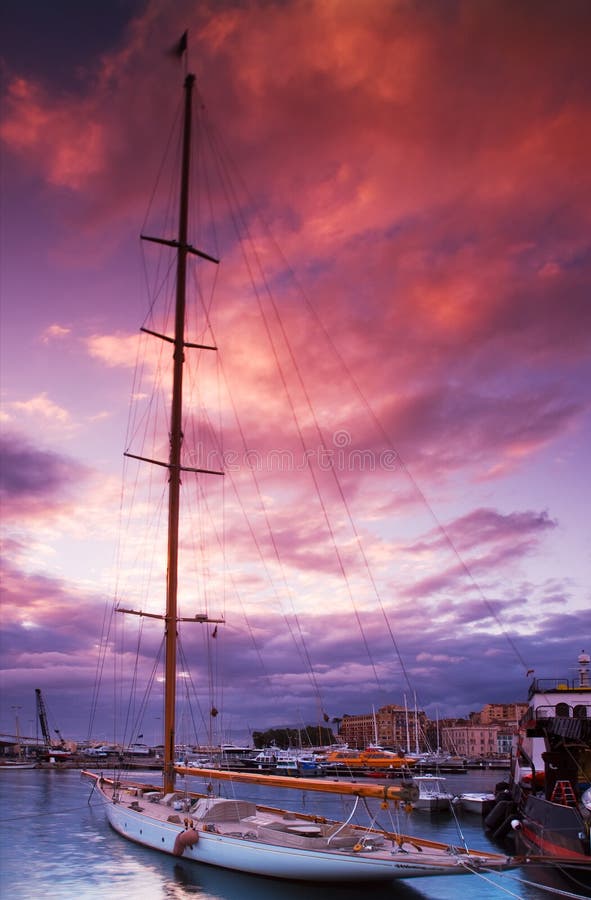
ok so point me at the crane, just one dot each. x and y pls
(42, 715)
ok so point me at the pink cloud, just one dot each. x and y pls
(58, 136)
(426, 173)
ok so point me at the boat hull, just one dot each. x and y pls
(477, 804)
(254, 856)
(260, 859)
(433, 804)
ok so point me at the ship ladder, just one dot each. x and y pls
(563, 793)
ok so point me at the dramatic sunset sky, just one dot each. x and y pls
(424, 169)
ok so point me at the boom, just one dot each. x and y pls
(42, 714)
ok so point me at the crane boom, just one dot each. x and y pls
(42, 715)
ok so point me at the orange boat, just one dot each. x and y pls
(372, 758)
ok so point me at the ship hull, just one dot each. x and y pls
(552, 829)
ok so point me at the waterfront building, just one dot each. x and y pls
(389, 726)
(502, 713)
(476, 741)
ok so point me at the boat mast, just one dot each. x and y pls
(171, 618)
(176, 440)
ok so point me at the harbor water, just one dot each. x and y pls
(55, 843)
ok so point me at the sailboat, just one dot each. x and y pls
(235, 833)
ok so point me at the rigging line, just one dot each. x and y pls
(298, 638)
(172, 133)
(108, 617)
(187, 668)
(570, 877)
(233, 581)
(160, 284)
(340, 490)
(311, 409)
(203, 180)
(299, 644)
(372, 817)
(132, 716)
(139, 716)
(257, 486)
(150, 416)
(550, 889)
(332, 468)
(134, 680)
(100, 663)
(480, 874)
(558, 892)
(228, 186)
(402, 463)
(458, 826)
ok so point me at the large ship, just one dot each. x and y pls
(551, 772)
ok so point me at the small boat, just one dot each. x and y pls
(478, 804)
(432, 795)
(371, 759)
(441, 764)
(307, 763)
(228, 832)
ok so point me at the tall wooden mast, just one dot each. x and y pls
(176, 440)
(174, 465)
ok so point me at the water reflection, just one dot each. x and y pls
(190, 880)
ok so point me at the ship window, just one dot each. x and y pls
(580, 711)
(562, 709)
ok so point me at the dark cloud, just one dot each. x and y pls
(485, 526)
(35, 482)
(264, 670)
(27, 471)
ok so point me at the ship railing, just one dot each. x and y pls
(562, 710)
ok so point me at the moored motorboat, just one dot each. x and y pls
(433, 797)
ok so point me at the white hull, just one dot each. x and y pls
(240, 848)
(476, 803)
